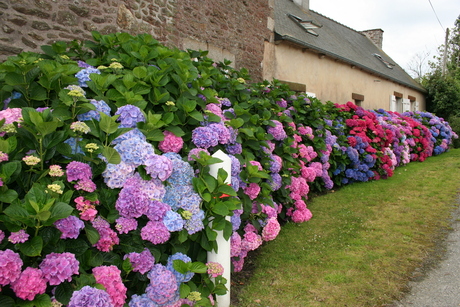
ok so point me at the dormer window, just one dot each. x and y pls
(387, 64)
(307, 25)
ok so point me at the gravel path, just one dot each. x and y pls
(441, 286)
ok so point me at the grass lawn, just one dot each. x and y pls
(362, 245)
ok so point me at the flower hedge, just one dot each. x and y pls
(105, 192)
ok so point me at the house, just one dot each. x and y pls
(315, 54)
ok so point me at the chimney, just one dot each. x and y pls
(375, 35)
(304, 4)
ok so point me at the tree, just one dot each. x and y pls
(418, 65)
(443, 96)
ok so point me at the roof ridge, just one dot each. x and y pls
(360, 32)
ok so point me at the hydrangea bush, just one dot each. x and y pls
(105, 151)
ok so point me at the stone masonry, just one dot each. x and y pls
(237, 27)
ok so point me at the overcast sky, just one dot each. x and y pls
(410, 26)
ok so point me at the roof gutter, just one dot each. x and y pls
(298, 42)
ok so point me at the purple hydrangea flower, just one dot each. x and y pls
(234, 149)
(141, 262)
(125, 225)
(70, 227)
(89, 296)
(163, 285)
(129, 116)
(132, 200)
(205, 137)
(277, 131)
(195, 223)
(78, 171)
(179, 276)
(223, 133)
(141, 301)
(195, 153)
(10, 266)
(157, 210)
(57, 268)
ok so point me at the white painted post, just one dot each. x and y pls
(223, 254)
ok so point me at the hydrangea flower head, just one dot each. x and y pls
(18, 237)
(163, 285)
(78, 171)
(110, 278)
(205, 137)
(89, 296)
(179, 276)
(10, 266)
(141, 262)
(129, 116)
(29, 284)
(58, 268)
(214, 269)
(70, 227)
(171, 142)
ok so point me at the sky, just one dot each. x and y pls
(411, 28)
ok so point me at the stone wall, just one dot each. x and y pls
(237, 27)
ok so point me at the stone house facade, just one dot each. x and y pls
(234, 30)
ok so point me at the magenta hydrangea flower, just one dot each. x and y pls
(214, 269)
(271, 229)
(235, 244)
(29, 284)
(89, 296)
(141, 262)
(155, 232)
(57, 268)
(110, 278)
(87, 208)
(78, 171)
(70, 227)
(299, 216)
(10, 115)
(163, 285)
(2, 236)
(171, 142)
(18, 237)
(10, 266)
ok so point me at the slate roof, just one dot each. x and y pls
(336, 41)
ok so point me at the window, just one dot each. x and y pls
(381, 59)
(413, 103)
(307, 25)
(358, 99)
(399, 106)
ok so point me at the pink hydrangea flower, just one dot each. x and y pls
(3, 156)
(10, 266)
(29, 284)
(235, 244)
(110, 278)
(214, 269)
(87, 208)
(141, 262)
(171, 142)
(271, 229)
(18, 237)
(252, 190)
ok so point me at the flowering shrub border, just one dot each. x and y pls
(104, 169)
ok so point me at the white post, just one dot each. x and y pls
(223, 254)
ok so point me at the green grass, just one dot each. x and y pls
(362, 244)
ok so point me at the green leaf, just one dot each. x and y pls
(226, 189)
(181, 266)
(59, 211)
(198, 267)
(206, 197)
(44, 215)
(140, 72)
(211, 182)
(228, 230)
(111, 154)
(17, 212)
(64, 292)
(42, 300)
(37, 92)
(211, 234)
(220, 208)
(32, 247)
(46, 127)
(196, 115)
(127, 266)
(8, 196)
(236, 123)
(168, 117)
(176, 130)
(184, 290)
(108, 124)
(6, 301)
(154, 135)
(92, 234)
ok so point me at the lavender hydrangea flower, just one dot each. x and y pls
(195, 153)
(132, 200)
(89, 296)
(179, 276)
(141, 301)
(205, 137)
(223, 133)
(78, 171)
(131, 134)
(277, 131)
(157, 210)
(125, 225)
(195, 223)
(134, 151)
(234, 149)
(70, 227)
(57, 268)
(141, 262)
(129, 116)
(158, 166)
